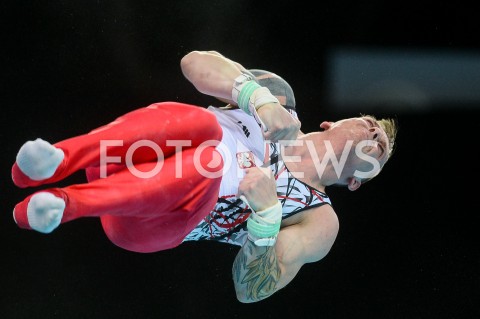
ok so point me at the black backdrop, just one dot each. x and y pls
(406, 247)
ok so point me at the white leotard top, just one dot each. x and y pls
(242, 146)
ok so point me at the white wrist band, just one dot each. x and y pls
(263, 226)
(249, 95)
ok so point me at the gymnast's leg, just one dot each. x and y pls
(137, 214)
(38, 162)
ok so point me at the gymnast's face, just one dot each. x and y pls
(369, 137)
(359, 129)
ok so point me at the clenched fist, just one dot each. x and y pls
(259, 188)
(280, 123)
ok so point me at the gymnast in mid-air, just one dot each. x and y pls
(242, 174)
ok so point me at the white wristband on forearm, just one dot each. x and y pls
(249, 95)
(263, 226)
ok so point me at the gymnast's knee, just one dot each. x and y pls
(195, 117)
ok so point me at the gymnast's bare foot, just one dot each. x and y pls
(36, 161)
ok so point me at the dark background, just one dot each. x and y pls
(407, 246)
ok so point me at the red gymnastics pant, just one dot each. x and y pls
(140, 214)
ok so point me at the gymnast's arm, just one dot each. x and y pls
(240, 67)
(258, 272)
(213, 74)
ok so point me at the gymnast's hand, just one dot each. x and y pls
(281, 125)
(259, 188)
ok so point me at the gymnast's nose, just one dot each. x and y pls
(375, 133)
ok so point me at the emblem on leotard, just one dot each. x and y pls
(245, 159)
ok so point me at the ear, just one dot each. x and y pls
(325, 125)
(354, 184)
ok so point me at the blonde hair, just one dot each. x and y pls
(390, 126)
